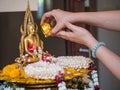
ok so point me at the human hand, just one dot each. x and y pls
(57, 19)
(78, 34)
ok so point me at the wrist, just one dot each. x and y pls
(91, 43)
(98, 45)
(77, 17)
(81, 17)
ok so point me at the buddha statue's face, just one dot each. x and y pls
(31, 29)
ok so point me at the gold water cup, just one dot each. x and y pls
(46, 28)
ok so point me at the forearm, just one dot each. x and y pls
(107, 57)
(106, 19)
(110, 60)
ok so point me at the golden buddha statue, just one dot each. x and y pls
(30, 46)
(33, 45)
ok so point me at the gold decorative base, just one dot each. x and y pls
(53, 88)
(29, 83)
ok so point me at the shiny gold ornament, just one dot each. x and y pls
(46, 28)
(30, 46)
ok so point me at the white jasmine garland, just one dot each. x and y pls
(73, 62)
(62, 86)
(42, 70)
(46, 70)
(91, 85)
(89, 89)
(95, 78)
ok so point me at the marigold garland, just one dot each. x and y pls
(13, 71)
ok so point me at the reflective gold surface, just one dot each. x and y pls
(28, 82)
(30, 46)
(33, 84)
(46, 28)
(41, 81)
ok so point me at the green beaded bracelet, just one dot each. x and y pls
(96, 47)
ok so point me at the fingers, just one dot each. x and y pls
(58, 27)
(64, 34)
(46, 16)
(71, 27)
(49, 18)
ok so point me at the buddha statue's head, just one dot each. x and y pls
(30, 27)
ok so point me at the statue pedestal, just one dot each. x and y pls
(39, 86)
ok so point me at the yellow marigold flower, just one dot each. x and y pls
(7, 69)
(71, 70)
(22, 74)
(13, 71)
(84, 71)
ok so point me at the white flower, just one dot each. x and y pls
(42, 70)
(35, 52)
(19, 88)
(62, 86)
(91, 84)
(89, 89)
